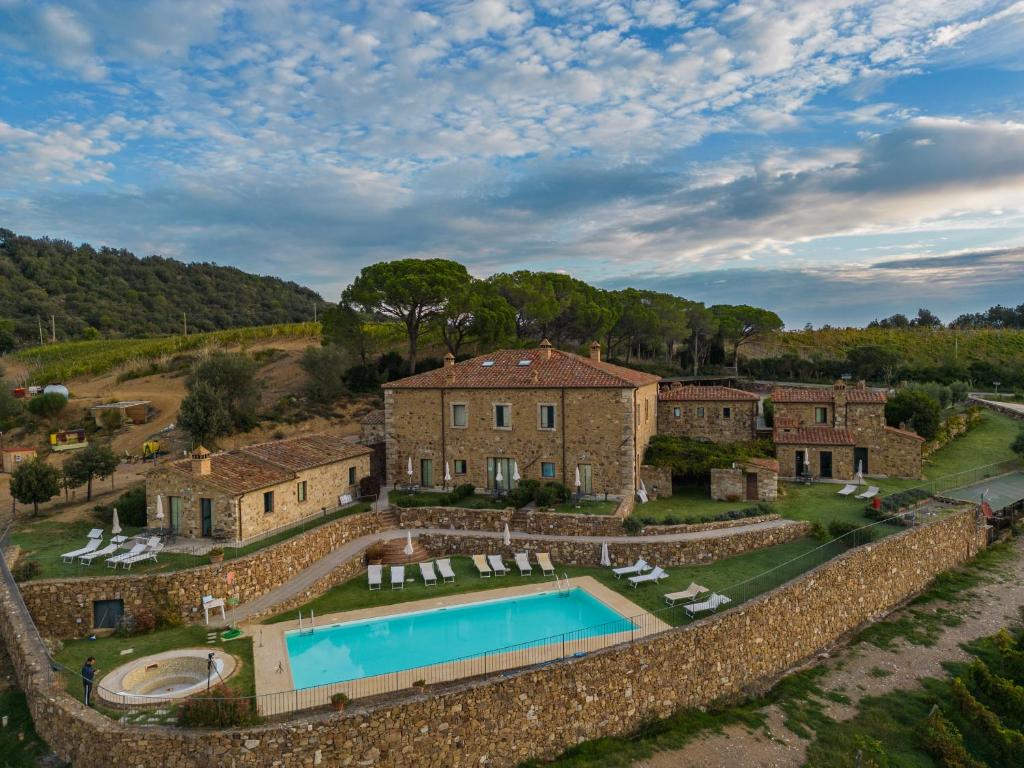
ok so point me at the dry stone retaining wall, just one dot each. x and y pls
(63, 607)
(502, 721)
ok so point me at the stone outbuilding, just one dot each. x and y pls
(750, 480)
(713, 414)
(242, 494)
(132, 411)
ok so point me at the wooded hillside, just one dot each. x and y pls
(112, 293)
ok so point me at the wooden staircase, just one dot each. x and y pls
(394, 552)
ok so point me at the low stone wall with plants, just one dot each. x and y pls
(952, 428)
(534, 521)
(502, 721)
(654, 530)
(63, 607)
(655, 551)
(998, 407)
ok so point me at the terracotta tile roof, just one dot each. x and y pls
(816, 436)
(563, 369)
(905, 433)
(699, 393)
(772, 464)
(305, 452)
(264, 464)
(18, 449)
(237, 473)
(825, 395)
(373, 417)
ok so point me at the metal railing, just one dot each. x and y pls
(538, 652)
(966, 477)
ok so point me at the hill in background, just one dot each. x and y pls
(112, 293)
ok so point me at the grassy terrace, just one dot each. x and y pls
(44, 541)
(988, 443)
(719, 575)
(440, 499)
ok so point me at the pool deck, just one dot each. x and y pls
(274, 675)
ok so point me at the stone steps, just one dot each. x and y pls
(520, 520)
(389, 519)
(394, 552)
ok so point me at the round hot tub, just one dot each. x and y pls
(168, 675)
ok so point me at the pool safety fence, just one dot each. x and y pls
(542, 651)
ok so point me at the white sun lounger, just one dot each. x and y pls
(111, 548)
(481, 565)
(153, 548)
(870, 493)
(711, 604)
(672, 598)
(630, 570)
(427, 572)
(445, 567)
(656, 575)
(398, 577)
(497, 565)
(374, 576)
(847, 490)
(92, 546)
(523, 561)
(544, 561)
(137, 549)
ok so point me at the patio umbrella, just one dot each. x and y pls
(642, 486)
(116, 527)
(497, 475)
(515, 472)
(408, 543)
(606, 559)
(447, 473)
(408, 470)
(508, 536)
(159, 507)
(578, 483)
(859, 477)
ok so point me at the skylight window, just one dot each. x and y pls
(525, 362)
(487, 363)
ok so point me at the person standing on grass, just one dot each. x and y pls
(88, 674)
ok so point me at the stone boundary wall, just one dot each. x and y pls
(505, 720)
(664, 553)
(994, 405)
(63, 607)
(695, 527)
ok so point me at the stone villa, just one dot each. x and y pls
(543, 413)
(830, 432)
(241, 494)
(714, 414)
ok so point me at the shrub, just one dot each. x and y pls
(369, 486)
(463, 491)
(562, 491)
(915, 408)
(632, 526)
(47, 406)
(839, 528)
(339, 698)
(545, 496)
(818, 531)
(131, 508)
(222, 708)
(26, 570)
(143, 622)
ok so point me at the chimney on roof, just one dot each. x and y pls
(862, 384)
(449, 360)
(200, 462)
(545, 349)
(595, 351)
(840, 384)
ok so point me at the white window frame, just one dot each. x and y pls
(465, 413)
(494, 415)
(540, 417)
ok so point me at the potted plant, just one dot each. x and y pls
(419, 684)
(338, 701)
(217, 555)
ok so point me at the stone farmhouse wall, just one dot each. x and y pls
(842, 459)
(241, 517)
(505, 720)
(592, 426)
(658, 480)
(730, 483)
(712, 426)
(64, 607)
(656, 552)
(903, 455)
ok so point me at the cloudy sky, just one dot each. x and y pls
(833, 160)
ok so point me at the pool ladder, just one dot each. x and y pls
(562, 585)
(312, 620)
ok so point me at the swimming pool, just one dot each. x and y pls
(353, 650)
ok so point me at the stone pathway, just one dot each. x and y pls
(855, 671)
(304, 580)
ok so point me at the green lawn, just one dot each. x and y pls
(988, 443)
(107, 651)
(719, 575)
(44, 541)
(439, 499)
(20, 747)
(588, 507)
(686, 505)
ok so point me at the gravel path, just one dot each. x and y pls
(992, 606)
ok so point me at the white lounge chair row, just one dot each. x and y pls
(492, 565)
(141, 550)
(640, 572)
(712, 602)
(870, 493)
(375, 574)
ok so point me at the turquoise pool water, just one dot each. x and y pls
(358, 649)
